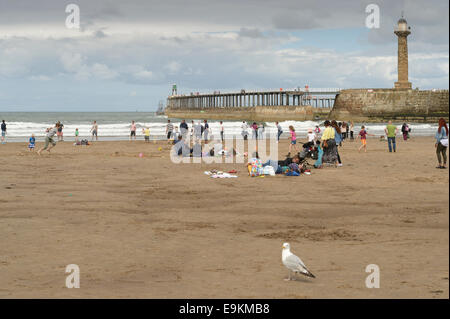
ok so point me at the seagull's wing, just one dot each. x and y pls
(295, 264)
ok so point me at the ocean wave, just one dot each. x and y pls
(158, 128)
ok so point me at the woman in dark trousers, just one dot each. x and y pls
(442, 143)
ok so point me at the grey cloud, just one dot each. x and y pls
(250, 33)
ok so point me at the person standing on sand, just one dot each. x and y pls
(205, 131)
(279, 131)
(344, 131)
(51, 132)
(391, 131)
(60, 132)
(311, 136)
(192, 129)
(338, 140)
(254, 131)
(222, 132)
(198, 131)
(3, 127)
(442, 143)
(261, 131)
(94, 131)
(293, 139)
(77, 133)
(146, 132)
(169, 130)
(363, 136)
(184, 129)
(352, 137)
(244, 130)
(405, 131)
(32, 142)
(329, 144)
(133, 131)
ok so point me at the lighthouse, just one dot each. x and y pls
(402, 31)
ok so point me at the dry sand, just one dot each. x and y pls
(148, 228)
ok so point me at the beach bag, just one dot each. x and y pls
(444, 142)
(255, 167)
(268, 170)
(292, 173)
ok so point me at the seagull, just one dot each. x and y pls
(293, 263)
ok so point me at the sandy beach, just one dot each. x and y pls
(148, 228)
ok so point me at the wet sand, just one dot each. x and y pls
(148, 228)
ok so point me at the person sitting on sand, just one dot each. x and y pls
(181, 148)
(51, 132)
(32, 142)
(277, 165)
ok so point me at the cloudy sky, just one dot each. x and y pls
(126, 54)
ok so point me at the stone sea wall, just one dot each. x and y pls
(380, 105)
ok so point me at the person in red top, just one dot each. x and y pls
(363, 136)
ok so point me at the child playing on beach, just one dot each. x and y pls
(293, 139)
(146, 133)
(311, 135)
(32, 143)
(76, 135)
(363, 136)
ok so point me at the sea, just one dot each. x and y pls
(116, 125)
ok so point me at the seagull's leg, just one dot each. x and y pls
(289, 276)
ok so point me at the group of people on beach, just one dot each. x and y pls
(326, 142)
(197, 131)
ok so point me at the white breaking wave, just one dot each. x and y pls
(158, 129)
